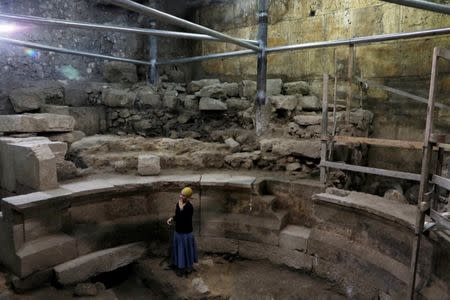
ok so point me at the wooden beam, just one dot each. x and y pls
(374, 171)
(441, 181)
(378, 142)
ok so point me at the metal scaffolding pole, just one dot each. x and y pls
(82, 25)
(162, 16)
(68, 51)
(426, 5)
(315, 45)
(153, 49)
(261, 80)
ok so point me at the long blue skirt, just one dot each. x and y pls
(184, 253)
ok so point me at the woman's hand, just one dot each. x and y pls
(169, 221)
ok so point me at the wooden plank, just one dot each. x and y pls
(323, 150)
(378, 142)
(441, 181)
(374, 171)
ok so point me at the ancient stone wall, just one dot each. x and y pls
(402, 64)
(22, 64)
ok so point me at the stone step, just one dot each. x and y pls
(44, 252)
(295, 237)
(268, 201)
(87, 266)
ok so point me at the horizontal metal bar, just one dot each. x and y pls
(82, 25)
(360, 40)
(162, 16)
(401, 93)
(368, 170)
(441, 181)
(192, 59)
(68, 51)
(426, 5)
(440, 219)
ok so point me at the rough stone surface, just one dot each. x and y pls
(274, 87)
(308, 120)
(296, 88)
(84, 267)
(295, 237)
(69, 137)
(211, 104)
(148, 97)
(117, 98)
(85, 290)
(284, 102)
(238, 103)
(247, 89)
(26, 99)
(232, 144)
(149, 165)
(36, 123)
(396, 196)
(285, 147)
(120, 72)
(196, 86)
(216, 91)
(309, 103)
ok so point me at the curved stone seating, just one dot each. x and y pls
(361, 242)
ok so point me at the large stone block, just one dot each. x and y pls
(211, 104)
(274, 87)
(285, 147)
(247, 89)
(284, 102)
(196, 86)
(33, 97)
(84, 267)
(36, 123)
(149, 97)
(296, 88)
(309, 103)
(295, 237)
(117, 98)
(120, 72)
(149, 164)
(45, 252)
(217, 91)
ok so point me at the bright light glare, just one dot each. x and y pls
(7, 28)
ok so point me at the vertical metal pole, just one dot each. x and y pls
(350, 81)
(323, 149)
(262, 116)
(153, 68)
(424, 177)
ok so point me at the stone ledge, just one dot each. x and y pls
(402, 214)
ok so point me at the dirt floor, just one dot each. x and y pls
(214, 278)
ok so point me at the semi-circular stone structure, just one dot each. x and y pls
(361, 242)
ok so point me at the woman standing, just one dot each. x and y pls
(184, 251)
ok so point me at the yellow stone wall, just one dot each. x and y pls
(405, 64)
(290, 23)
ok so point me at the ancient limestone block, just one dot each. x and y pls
(295, 237)
(120, 72)
(247, 89)
(309, 103)
(284, 102)
(307, 148)
(211, 104)
(238, 103)
(232, 89)
(117, 98)
(297, 87)
(190, 102)
(149, 164)
(293, 167)
(148, 97)
(69, 137)
(36, 123)
(217, 91)
(75, 94)
(274, 87)
(308, 120)
(26, 99)
(196, 86)
(232, 144)
(84, 267)
(170, 99)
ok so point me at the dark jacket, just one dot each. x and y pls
(183, 218)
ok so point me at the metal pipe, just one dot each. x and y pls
(153, 49)
(261, 73)
(426, 5)
(314, 45)
(162, 16)
(68, 51)
(153, 32)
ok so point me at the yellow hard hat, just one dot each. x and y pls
(187, 192)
